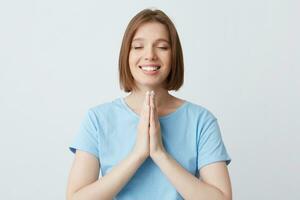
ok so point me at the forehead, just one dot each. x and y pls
(151, 31)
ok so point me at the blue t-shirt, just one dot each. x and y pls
(191, 135)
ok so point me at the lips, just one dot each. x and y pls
(150, 68)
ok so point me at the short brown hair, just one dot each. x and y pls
(176, 76)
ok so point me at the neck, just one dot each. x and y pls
(162, 96)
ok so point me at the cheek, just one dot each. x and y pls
(167, 58)
(132, 58)
(131, 61)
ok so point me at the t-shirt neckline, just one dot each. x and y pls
(161, 117)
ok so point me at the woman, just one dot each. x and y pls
(149, 144)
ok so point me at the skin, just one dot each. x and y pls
(83, 179)
(152, 47)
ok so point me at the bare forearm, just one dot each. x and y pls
(186, 184)
(109, 185)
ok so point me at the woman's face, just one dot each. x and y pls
(150, 55)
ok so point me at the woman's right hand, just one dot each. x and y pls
(142, 143)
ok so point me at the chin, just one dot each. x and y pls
(150, 84)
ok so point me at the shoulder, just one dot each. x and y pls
(99, 114)
(199, 111)
(108, 111)
(106, 107)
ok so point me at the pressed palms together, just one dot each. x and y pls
(149, 140)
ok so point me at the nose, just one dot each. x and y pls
(150, 54)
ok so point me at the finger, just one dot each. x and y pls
(154, 106)
(146, 110)
(152, 110)
(152, 98)
(152, 120)
(146, 99)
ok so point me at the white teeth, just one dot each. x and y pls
(150, 68)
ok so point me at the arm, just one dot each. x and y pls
(215, 183)
(83, 181)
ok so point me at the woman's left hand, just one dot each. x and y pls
(156, 145)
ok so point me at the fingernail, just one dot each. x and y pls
(152, 92)
(147, 93)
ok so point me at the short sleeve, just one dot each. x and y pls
(210, 146)
(86, 138)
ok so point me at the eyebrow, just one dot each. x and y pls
(158, 40)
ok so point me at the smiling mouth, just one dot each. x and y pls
(149, 68)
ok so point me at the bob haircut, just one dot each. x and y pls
(176, 76)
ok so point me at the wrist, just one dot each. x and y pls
(138, 157)
(159, 155)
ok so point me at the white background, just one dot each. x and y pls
(60, 57)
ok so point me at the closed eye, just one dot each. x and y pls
(137, 47)
(164, 48)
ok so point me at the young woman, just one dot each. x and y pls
(149, 144)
